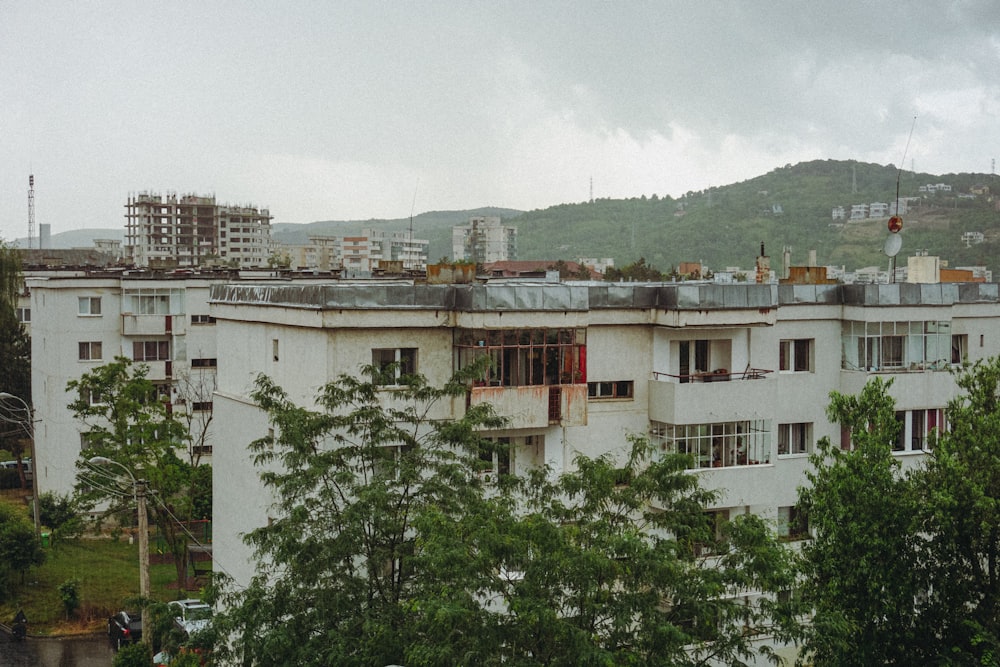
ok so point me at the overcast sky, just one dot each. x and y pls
(355, 110)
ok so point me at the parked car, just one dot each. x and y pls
(191, 615)
(125, 627)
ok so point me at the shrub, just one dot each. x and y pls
(134, 655)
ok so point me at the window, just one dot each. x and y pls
(701, 360)
(794, 438)
(154, 301)
(796, 355)
(202, 319)
(89, 305)
(609, 390)
(201, 406)
(204, 363)
(496, 456)
(892, 352)
(23, 315)
(716, 521)
(875, 346)
(718, 445)
(924, 425)
(90, 397)
(274, 348)
(793, 524)
(959, 348)
(521, 357)
(900, 444)
(151, 350)
(393, 363)
(90, 351)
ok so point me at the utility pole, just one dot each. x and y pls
(141, 487)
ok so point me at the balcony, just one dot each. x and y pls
(152, 325)
(710, 397)
(536, 406)
(911, 388)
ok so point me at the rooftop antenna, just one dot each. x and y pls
(893, 243)
(31, 209)
(412, 206)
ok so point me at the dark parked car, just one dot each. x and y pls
(125, 627)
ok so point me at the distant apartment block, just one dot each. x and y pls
(859, 211)
(936, 187)
(484, 240)
(191, 231)
(838, 213)
(970, 238)
(360, 253)
(878, 209)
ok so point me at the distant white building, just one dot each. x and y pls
(838, 213)
(484, 240)
(878, 209)
(361, 253)
(970, 238)
(859, 211)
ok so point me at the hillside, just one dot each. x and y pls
(790, 206)
(723, 226)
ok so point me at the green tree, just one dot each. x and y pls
(386, 547)
(861, 574)
(620, 564)
(960, 510)
(637, 271)
(133, 655)
(126, 421)
(20, 547)
(338, 564)
(15, 357)
(59, 512)
(69, 594)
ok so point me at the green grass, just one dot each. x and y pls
(108, 571)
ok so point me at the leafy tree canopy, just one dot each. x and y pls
(126, 421)
(387, 547)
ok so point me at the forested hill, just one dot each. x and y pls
(790, 206)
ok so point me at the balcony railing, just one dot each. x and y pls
(718, 375)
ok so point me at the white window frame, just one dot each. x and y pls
(795, 439)
(791, 352)
(87, 353)
(405, 359)
(88, 306)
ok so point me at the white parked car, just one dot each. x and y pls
(191, 615)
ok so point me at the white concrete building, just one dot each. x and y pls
(736, 375)
(484, 240)
(81, 322)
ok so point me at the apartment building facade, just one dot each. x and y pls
(483, 240)
(171, 231)
(737, 376)
(84, 321)
(362, 253)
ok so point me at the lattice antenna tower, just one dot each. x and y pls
(31, 209)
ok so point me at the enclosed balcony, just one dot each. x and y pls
(536, 406)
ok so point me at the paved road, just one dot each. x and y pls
(72, 652)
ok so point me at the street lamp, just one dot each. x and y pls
(140, 486)
(27, 422)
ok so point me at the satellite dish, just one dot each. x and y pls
(893, 243)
